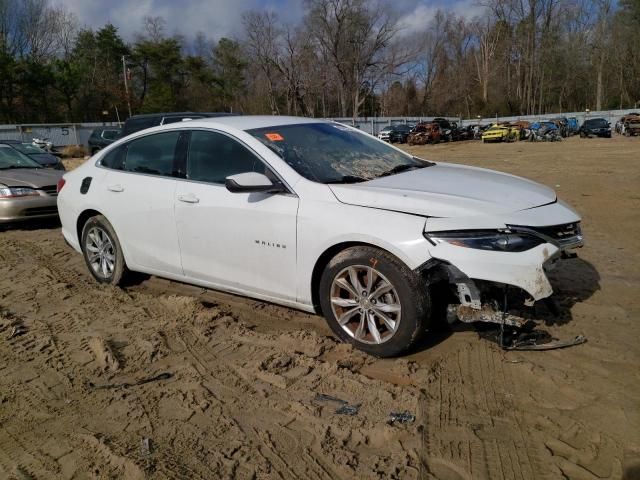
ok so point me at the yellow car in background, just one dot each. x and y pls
(501, 133)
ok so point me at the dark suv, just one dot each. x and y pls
(595, 126)
(101, 137)
(140, 122)
(399, 133)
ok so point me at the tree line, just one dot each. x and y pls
(343, 58)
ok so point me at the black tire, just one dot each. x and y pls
(115, 275)
(412, 296)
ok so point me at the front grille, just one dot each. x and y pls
(50, 190)
(568, 235)
(32, 212)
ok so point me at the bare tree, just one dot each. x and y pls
(354, 35)
(487, 38)
(262, 37)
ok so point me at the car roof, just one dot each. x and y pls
(249, 122)
(181, 114)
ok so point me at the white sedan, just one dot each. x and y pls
(317, 216)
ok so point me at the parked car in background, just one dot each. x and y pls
(524, 128)
(630, 124)
(501, 133)
(423, 133)
(27, 190)
(563, 125)
(103, 136)
(574, 126)
(598, 127)
(318, 216)
(399, 133)
(545, 131)
(385, 133)
(446, 129)
(140, 122)
(45, 159)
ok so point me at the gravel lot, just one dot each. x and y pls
(238, 397)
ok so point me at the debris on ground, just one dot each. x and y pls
(401, 417)
(345, 407)
(146, 447)
(511, 338)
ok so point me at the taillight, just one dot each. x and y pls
(60, 184)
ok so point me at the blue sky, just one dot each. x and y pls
(217, 18)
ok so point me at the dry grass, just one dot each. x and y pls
(74, 151)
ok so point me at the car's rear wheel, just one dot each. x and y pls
(102, 251)
(373, 301)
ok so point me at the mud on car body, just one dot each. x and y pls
(318, 216)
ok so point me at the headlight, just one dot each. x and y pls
(487, 240)
(12, 192)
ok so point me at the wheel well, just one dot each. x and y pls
(322, 262)
(82, 219)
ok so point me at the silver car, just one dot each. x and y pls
(27, 190)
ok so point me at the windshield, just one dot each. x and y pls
(10, 158)
(333, 153)
(597, 122)
(28, 148)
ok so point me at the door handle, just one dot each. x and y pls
(115, 188)
(188, 198)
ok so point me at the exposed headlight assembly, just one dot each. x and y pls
(12, 192)
(487, 240)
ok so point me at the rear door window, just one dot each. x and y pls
(214, 156)
(113, 159)
(153, 154)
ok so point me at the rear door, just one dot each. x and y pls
(241, 241)
(139, 200)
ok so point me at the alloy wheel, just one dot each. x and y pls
(365, 304)
(101, 254)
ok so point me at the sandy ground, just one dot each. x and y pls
(237, 397)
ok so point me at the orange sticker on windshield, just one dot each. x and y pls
(274, 137)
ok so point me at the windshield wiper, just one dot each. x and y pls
(401, 168)
(348, 179)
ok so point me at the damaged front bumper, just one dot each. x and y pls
(480, 279)
(525, 270)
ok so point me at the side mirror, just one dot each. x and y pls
(251, 182)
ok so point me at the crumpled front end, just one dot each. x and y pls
(484, 266)
(524, 270)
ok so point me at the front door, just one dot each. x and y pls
(242, 241)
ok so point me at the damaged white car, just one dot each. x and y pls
(318, 216)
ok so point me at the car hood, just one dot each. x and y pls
(27, 177)
(44, 158)
(447, 190)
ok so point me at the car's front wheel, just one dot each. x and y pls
(373, 301)
(102, 252)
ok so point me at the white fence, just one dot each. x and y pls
(62, 134)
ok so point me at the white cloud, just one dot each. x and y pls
(421, 15)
